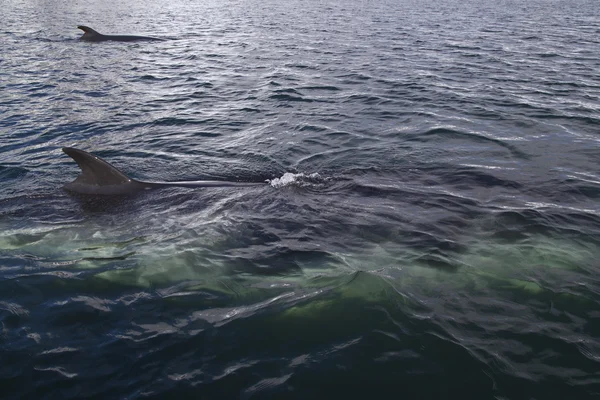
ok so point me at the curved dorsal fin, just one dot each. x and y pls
(94, 170)
(89, 34)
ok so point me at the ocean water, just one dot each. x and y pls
(428, 227)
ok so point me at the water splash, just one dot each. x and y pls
(300, 179)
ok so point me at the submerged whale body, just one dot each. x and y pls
(99, 177)
(91, 35)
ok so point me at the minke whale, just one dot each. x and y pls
(91, 35)
(98, 177)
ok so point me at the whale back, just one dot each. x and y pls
(91, 35)
(99, 177)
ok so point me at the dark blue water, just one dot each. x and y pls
(429, 226)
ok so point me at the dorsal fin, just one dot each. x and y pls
(94, 170)
(89, 34)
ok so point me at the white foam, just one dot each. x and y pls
(289, 178)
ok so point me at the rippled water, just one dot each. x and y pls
(429, 225)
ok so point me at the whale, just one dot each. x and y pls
(98, 177)
(91, 35)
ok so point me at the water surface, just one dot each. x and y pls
(428, 226)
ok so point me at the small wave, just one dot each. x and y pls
(286, 97)
(14, 309)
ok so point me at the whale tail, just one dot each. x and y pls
(89, 33)
(94, 171)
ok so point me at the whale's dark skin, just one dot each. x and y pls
(100, 178)
(91, 35)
